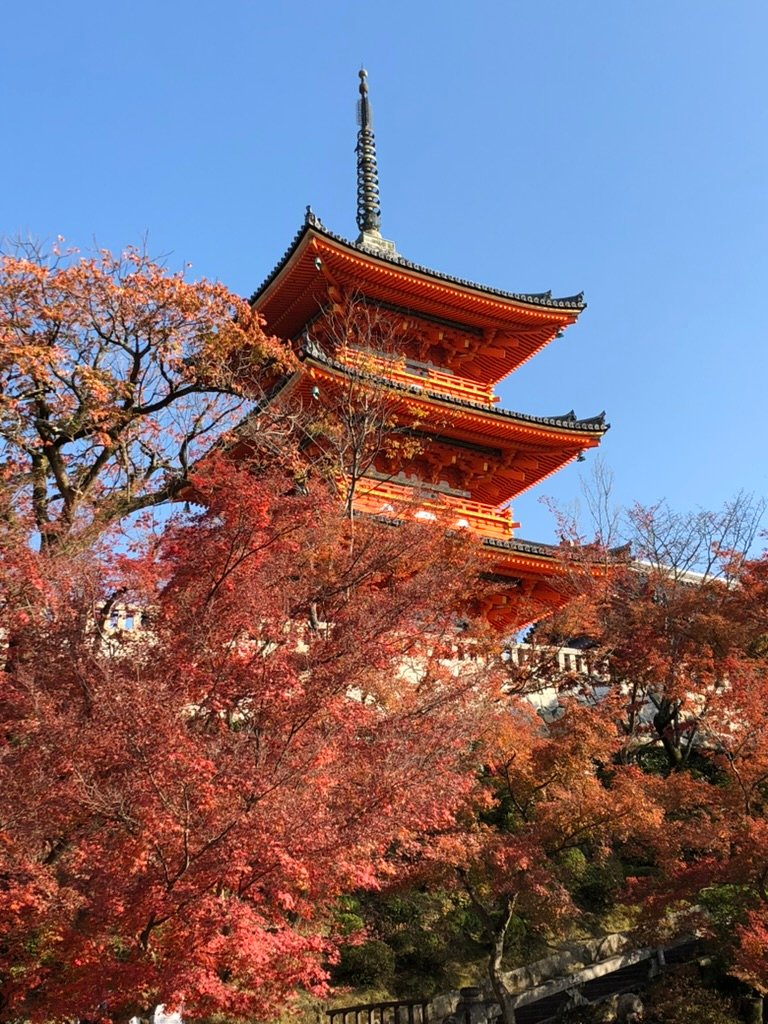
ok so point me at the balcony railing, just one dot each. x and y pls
(563, 659)
(383, 497)
(403, 371)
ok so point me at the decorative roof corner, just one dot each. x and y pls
(588, 421)
(595, 421)
(311, 220)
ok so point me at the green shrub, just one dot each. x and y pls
(573, 863)
(348, 915)
(368, 965)
(596, 889)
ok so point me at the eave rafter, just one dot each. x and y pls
(510, 335)
(337, 293)
(521, 592)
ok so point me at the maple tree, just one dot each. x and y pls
(181, 806)
(712, 853)
(550, 805)
(663, 624)
(115, 376)
(676, 646)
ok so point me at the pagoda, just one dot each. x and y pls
(436, 347)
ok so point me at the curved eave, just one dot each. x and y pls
(516, 324)
(487, 421)
(513, 557)
(553, 442)
(516, 556)
(526, 583)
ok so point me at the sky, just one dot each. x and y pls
(619, 147)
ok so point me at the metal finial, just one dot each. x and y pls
(368, 204)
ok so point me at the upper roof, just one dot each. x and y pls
(538, 300)
(496, 331)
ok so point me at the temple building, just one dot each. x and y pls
(433, 347)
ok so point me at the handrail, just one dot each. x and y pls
(594, 982)
(384, 497)
(396, 368)
(377, 1013)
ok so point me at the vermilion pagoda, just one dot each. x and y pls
(454, 341)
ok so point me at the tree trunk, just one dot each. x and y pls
(496, 932)
(497, 982)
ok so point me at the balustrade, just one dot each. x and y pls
(401, 370)
(383, 497)
(401, 1011)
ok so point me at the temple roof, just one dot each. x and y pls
(482, 333)
(569, 422)
(542, 300)
(525, 547)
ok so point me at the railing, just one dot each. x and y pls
(427, 377)
(400, 1011)
(539, 1003)
(387, 498)
(566, 659)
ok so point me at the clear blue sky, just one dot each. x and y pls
(614, 146)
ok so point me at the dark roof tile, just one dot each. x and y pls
(313, 222)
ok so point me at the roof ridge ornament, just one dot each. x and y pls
(311, 219)
(368, 201)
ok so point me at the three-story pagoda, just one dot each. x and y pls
(447, 344)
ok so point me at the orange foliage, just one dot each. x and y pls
(182, 806)
(114, 376)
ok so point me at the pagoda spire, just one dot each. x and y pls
(368, 202)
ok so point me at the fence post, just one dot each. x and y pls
(471, 1007)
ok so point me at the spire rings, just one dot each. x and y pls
(368, 202)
